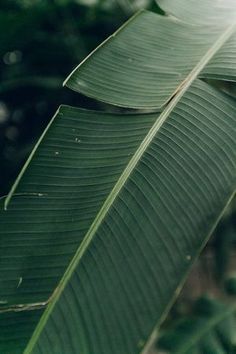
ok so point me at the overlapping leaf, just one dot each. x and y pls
(214, 12)
(143, 66)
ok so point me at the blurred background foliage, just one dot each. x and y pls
(41, 41)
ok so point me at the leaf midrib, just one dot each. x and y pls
(183, 87)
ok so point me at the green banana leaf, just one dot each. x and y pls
(215, 12)
(145, 63)
(110, 211)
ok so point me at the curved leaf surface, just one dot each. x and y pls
(147, 233)
(216, 12)
(142, 243)
(143, 66)
(79, 159)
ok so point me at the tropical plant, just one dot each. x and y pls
(103, 223)
(209, 329)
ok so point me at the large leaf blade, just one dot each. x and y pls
(128, 243)
(16, 328)
(70, 176)
(73, 170)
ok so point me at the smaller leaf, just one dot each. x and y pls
(211, 329)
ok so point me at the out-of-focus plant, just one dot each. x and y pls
(207, 328)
